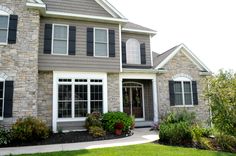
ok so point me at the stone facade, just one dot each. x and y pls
(113, 92)
(45, 95)
(181, 65)
(19, 62)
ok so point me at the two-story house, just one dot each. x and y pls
(63, 59)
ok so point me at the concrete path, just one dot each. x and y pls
(141, 136)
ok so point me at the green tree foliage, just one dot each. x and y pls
(222, 99)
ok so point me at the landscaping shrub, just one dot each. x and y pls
(110, 119)
(93, 120)
(29, 129)
(175, 133)
(5, 136)
(97, 131)
(175, 128)
(226, 142)
(180, 116)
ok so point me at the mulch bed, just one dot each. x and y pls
(71, 137)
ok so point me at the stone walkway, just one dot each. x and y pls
(141, 136)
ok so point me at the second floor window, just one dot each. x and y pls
(100, 42)
(4, 22)
(133, 52)
(60, 39)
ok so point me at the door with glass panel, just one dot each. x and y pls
(133, 99)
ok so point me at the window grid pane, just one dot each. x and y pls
(3, 22)
(64, 101)
(178, 93)
(60, 39)
(187, 93)
(81, 100)
(101, 42)
(96, 98)
(3, 35)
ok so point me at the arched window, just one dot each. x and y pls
(133, 51)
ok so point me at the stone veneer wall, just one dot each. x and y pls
(19, 62)
(180, 64)
(45, 97)
(113, 92)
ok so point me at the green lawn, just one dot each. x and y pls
(139, 150)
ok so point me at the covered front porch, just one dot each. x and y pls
(139, 98)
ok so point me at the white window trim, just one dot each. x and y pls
(94, 42)
(182, 80)
(2, 13)
(3, 97)
(76, 75)
(67, 48)
(138, 63)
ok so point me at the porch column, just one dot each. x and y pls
(155, 104)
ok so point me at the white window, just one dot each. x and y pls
(1, 99)
(60, 39)
(133, 51)
(100, 42)
(183, 92)
(78, 97)
(4, 24)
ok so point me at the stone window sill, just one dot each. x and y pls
(184, 106)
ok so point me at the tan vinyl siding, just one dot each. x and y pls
(142, 39)
(79, 62)
(84, 7)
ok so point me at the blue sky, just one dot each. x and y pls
(206, 27)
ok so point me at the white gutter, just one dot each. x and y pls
(139, 31)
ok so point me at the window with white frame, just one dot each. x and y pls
(1, 99)
(183, 92)
(78, 97)
(133, 51)
(60, 39)
(101, 42)
(4, 24)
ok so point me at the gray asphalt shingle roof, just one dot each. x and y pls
(158, 58)
(131, 25)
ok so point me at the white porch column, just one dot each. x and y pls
(155, 104)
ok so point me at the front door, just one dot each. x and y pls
(133, 99)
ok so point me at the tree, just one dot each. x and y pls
(222, 99)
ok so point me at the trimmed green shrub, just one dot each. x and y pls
(29, 129)
(226, 142)
(5, 136)
(175, 133)
(181, 116)
(97, 131)
(93, 120)
(110, 119)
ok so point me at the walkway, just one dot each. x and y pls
(141, 136)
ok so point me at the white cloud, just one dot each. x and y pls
(207, 27)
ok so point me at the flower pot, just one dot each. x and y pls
(118, 131)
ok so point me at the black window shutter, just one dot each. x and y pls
(72, 40)
(143, 53)
(12, 29)
(8, 99)
(90, 42)
(112, 43)
(123, 52)
(172, 93)
(48, 39)
(195, 94)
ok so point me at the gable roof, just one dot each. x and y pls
(132, 27)
(161, 60)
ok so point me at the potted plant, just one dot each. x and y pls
(118, 128)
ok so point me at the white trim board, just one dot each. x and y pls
(189, 54)
(152, 33)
